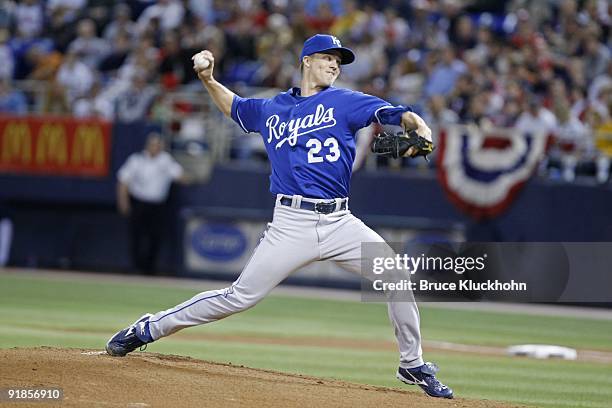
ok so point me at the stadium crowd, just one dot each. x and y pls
(542, 64)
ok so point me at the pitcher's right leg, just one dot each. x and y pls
(289, 243)
(280, 252)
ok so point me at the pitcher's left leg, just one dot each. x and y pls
(342, 244)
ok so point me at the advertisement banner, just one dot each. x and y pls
(223, 247)
(54, 146)
(219, 247)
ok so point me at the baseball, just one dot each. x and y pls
(200, 62)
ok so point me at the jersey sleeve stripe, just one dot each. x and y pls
(240, 121)
(379, 109)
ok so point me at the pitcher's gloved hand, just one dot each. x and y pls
(398, 145)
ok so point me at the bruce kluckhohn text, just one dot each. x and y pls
(462, 285)
(458, 265)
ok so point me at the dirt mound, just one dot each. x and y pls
(90, 378)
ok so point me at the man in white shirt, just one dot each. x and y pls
(536, 118)
(143, 186)
(6, 234)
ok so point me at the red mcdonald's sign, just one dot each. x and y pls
(52, 145)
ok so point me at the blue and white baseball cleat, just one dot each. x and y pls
(425, 377)
(129, 339)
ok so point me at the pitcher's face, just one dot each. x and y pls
(325, 67)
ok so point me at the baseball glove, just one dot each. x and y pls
(397, 145)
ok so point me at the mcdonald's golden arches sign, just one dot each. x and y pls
(50, 145)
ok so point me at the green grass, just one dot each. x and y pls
(82, 313)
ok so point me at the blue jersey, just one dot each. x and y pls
(311, 140)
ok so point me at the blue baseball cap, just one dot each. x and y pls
(324, 42)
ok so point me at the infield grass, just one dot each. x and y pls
(318, 337)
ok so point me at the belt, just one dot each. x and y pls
(322, 207)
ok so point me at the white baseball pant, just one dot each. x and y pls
(293, 239)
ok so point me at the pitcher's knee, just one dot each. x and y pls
(242, 299)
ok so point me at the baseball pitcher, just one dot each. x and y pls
(309, 137)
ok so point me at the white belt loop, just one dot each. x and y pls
(338, 203)
(279, 197)
(346, 207)
(296, 201)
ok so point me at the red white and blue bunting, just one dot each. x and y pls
(483, 172)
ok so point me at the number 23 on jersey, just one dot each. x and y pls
(331, 153)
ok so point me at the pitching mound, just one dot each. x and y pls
(90, 378)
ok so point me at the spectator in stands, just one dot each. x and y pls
(397, 30)
(169, 13)
(60, 17)
(477, 110)
(600, 82)
(313, 7)
(240, 38)
(209, 36)
(596, 58)
(536, 118)
(371, 59)
(406, 79)
(134, 103)
(12, 100)
(461, 96)
(203, 10)
(486, 46)
(321, 20)
(276, 39)
(352, 17)
(437, 114)
(7, 67)
(274, 73)
(445, 72)
(120, 49)
(28, 19)
(44, 63)
(65, 11)
(58, 30)
(509, 113)
(121, 23)
(75, 77)
(99, 11)
(142, 61)
(464, 35)
(142, 191)
(144, 56)
(573, 141)
(88, 45)
(176, 66)
(55, 100)
(6, 14)
(94, 105)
